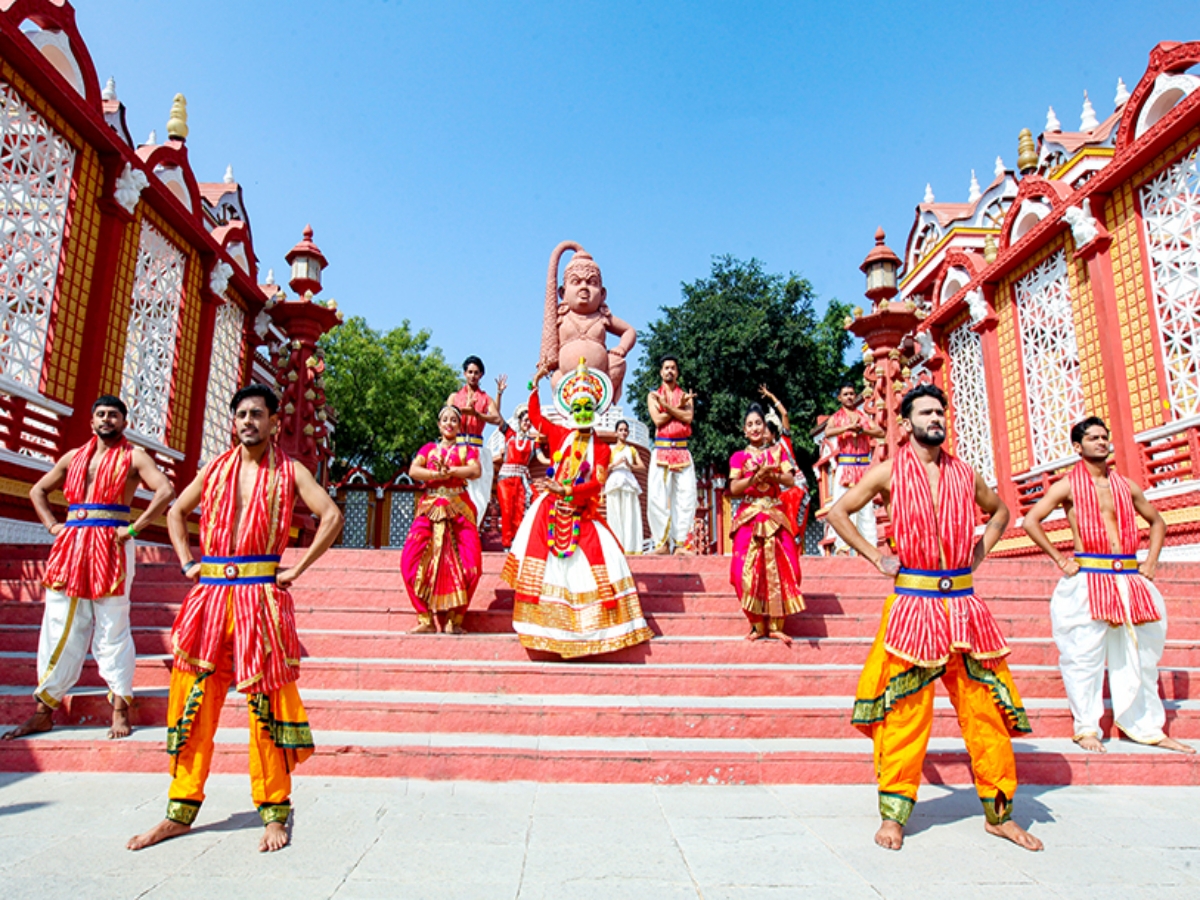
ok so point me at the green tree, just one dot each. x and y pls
(737, 329)
(385, 390)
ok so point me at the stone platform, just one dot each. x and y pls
(698, 704)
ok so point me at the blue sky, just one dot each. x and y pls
(441, 149)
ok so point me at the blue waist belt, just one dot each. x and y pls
(235, 570)
(96, 515)
(1108, 564)
(935, 582)
(475, 440)
(853, 460)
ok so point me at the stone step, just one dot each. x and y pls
(501, 757)
(579, 715)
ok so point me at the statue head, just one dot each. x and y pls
(582, 288)
(583, 395)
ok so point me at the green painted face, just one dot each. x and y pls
(583, 412)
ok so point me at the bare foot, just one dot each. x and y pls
(890, 835)
(163, 831)
(424, 628)
(660, 550)
(684, 551)
(1010, 830)
(120, 723)
(275, 837)
(453, 628)
(1090, 743)
(778, 636)
(40, 722)
(1172, 744)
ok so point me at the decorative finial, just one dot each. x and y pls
(177, 127)
(229, 175)
(153, 139)
(270, 276)
(999, 170)
(879, 236)
(1088, 120)
(1122, 93)
(975, 192)
(989, 249)
(110, 89)
(1027, 157)
(928, 193)
(1052, 123)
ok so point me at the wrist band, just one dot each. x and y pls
(133, 532)
(188, 567)
(529, 385)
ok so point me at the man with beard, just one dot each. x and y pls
(90, 569)
(478, 410)
(853, 430)
(1105, 607)
(933, 624)
(671, 483)
(237, 626)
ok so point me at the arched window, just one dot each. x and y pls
(223, 376)
(972, 421)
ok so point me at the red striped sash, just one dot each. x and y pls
(1104, 596)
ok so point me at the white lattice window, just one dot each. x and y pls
(153, 333)
(1171, 211)
(223, 375)
(1051, 354)
(972, 422)
(35, 187)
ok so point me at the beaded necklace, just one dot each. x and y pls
(562, 528)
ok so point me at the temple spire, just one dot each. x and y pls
(1122, 93)
(1052, 123)
(177, 126)
(1087, 119)
(975, 192)
(929, 198)
(999, 170)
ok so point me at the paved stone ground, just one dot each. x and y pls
(62, 836)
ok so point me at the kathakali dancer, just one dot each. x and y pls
(237, 626)
(90, 570)
(671, 485)
(853, 429)
(622, 506)
(934, 626)
(765, 570)
(520, 449)
(575, 595)
(1105, 609)
(442, 556)
(478, 411)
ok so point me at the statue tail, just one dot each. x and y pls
(550, 316)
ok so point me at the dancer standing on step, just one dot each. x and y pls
(622, 508)
(575, 595)
(520, 449)
(780, 426)
(442, 557)
(90, 570)
(478, 410)
(765, 570)
(237, 626)
(1105, 608)
(933, 624)
(853, 430)
(671, 485)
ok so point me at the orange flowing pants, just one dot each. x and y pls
(194, 707)
(894, 706)
(511, 494)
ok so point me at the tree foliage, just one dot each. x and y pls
(385, 390)
(737, 329)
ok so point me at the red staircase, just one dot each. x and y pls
(698, 703)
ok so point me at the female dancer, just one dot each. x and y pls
(765, 570)
(442, 557)
(622, 507)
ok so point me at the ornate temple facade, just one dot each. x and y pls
(121, 273)
(1068, 286)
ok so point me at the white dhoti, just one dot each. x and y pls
(624, 515)
(480, 489)
(70, 625)
(1132, 653)
(863, 520)
(670, 503)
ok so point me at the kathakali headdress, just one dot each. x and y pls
(583, 395)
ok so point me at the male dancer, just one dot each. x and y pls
(90, 569)
(477, 410)
(853, 429)
(1105, 607)
(520, 448)
(933, 625)
(671, 484)
(238, 624)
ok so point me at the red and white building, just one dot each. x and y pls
(1068, 286)
(121, 273)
